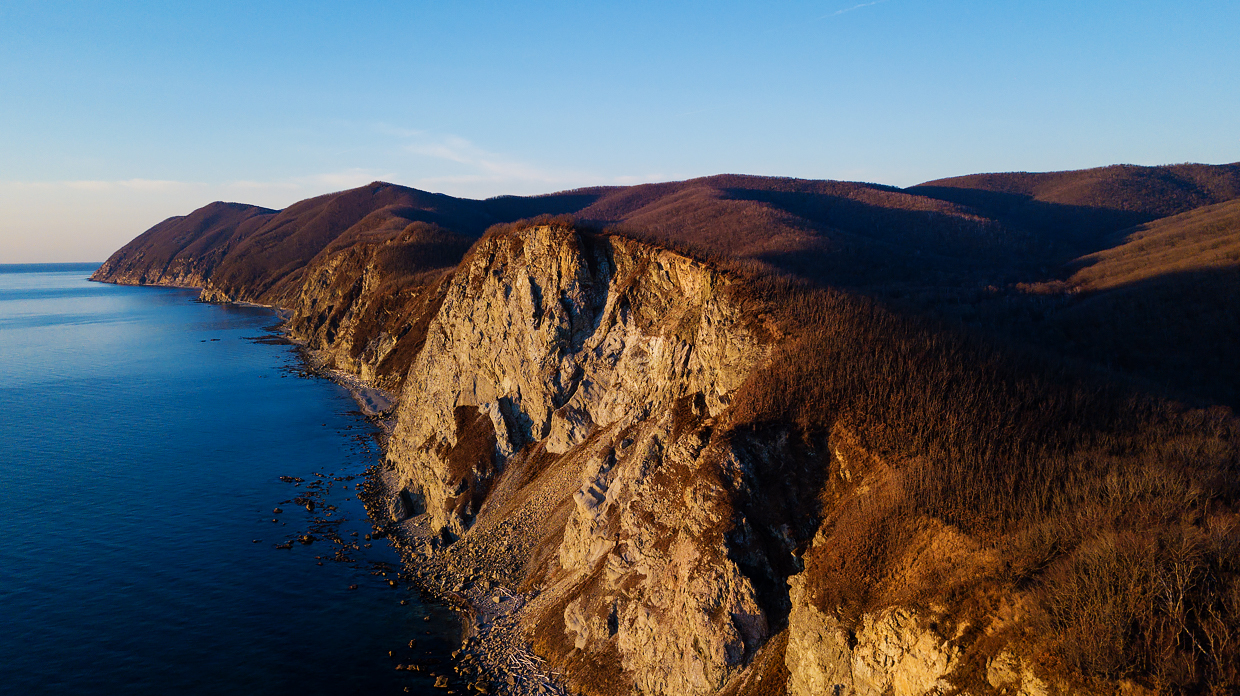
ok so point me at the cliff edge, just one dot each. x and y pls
(704, 478)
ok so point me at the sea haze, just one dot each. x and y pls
(142, 440)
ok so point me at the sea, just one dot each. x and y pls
(146, 441)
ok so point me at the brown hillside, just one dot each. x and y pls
(1056, 485)
(835, 232)
(261, 259)
(838, 233)
(1207, 238)
(258, 254)
(1083, 206)
(1160, 305)
(965, 250)
(199, 239)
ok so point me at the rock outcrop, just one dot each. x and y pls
(568, 418)
(364, 308)
(896, 651)
(553, 336)
(611, 359)
(582, 383)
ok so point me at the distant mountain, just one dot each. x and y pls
(1082, 207)
(1161, 304)
(1203, 239)
(837, 232)
(997, 252)
(258, 254)
(182, 250)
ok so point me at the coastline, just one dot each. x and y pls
(494, 650)
(494, 655)
(197, 495)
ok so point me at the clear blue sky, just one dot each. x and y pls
(116, 115)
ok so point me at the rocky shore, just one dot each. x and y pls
(471, 577)
(668, 475)
(494, 656)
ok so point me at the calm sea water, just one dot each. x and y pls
(142, 441)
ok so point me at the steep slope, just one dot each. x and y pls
(267, 263)
(841, 233)
(837, 232)
(1167, 318)
(576, 372)
(963, 232)
(318, 257)
(696, 474)
(365, 302)
(260, 255)
(181, 250)
(1079, 208)
(1160, 305)
(701, 471)
(1204, 239)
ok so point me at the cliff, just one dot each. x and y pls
(704, 478)
(587, 374)
(593, 414)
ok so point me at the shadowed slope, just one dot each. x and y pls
(260, 256)
(1161, 305)
(1205, 238)
(180, 250)
(840, 233)
(835, 232)
(969, 231)
(1080, 208)
(264, 260)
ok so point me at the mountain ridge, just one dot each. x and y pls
(712, 451)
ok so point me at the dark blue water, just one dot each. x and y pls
(142, 441)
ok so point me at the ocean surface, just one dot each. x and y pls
(143, 437)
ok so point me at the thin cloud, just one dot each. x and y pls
(464, 168)
(640, 179)
(487, 165)
(837, 13)
(348, 178)
(458, 166)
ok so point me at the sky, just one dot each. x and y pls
(116, 115)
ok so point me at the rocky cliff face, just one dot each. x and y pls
(553, 337)
(565, 412)
(611, 361)
(364, 308)
(571, 407)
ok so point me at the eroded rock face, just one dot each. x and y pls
(613, 358)
(897, 650)
(1007, 673)
(553, 336)
(647, 554)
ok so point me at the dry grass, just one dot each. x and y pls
(1113, 508)
(1207, 238)
(996, 443)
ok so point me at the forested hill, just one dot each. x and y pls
(750, 435)
(993, 252)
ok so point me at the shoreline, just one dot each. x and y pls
(493, 646)
(494, 657)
